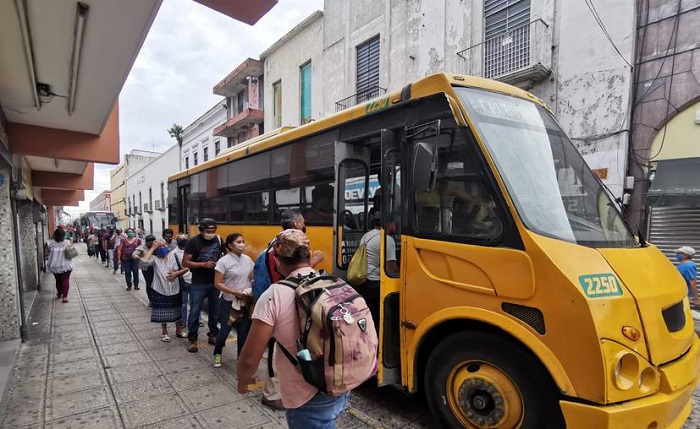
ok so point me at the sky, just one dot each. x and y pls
(188, 50)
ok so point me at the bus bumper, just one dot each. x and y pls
(668, 408)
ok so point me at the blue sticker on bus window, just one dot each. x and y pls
(600, 285)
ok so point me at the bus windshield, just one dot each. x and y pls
(555, 192)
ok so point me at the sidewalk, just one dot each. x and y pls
(98, 362)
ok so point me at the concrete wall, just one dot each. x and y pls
(283, 64)
(117, 181)
(200, 134)
(592, 83)
(152, 176)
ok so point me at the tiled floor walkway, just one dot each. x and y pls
(98, 362)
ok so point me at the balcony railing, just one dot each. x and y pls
(358, 98)
(521, 54)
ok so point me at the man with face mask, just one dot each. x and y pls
(689, 271)
(289, 219)
(201, 254)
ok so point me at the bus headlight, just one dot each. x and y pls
(626, 371)
(628, 374)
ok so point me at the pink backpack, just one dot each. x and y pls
(338, 340)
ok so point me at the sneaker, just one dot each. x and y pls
(217, 361)
(128, 288)
(275, 404)
(137, 288)
(182, 334)
(192, 347)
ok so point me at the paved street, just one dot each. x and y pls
(98, 362)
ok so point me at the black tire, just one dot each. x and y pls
(489, 376)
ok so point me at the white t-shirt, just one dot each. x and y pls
(179, 254)
(372, 240)
(277, 308)
(236, 270)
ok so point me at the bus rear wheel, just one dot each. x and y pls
(479, 380)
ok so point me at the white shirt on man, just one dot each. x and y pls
(372, 240)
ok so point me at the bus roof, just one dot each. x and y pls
(433, 84)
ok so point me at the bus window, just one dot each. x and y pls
(459, 204)
(352, 205)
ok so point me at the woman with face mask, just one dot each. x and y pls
(166, 300)
(125, 251)
(233, 277)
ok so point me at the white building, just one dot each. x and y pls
(554, 48)
(199, 144)
(132, 162)
(147, 193)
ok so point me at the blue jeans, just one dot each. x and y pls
(198, 292)
(319, 413)
(185, 300)
(242, 328)
(131, 271)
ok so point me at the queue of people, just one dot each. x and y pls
(181, 272)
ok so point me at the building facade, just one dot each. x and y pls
(147, 193)
(294, 75)
(199, 143)
(102, 203)
(370, 47)
(243, 89)
(132, 162)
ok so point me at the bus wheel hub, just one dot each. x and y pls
(485, 397)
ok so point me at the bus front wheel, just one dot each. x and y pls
(479, 380)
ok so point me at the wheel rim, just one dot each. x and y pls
(483, 396)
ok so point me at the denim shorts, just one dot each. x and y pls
(319, 413)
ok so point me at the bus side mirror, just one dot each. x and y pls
(424, 166)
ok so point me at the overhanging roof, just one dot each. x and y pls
(676, 183)
(248, 11)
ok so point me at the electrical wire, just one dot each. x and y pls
(600, 23)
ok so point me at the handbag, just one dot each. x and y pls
(70, 252)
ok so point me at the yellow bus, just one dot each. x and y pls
(522, 299)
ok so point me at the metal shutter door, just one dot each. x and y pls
(673, 227)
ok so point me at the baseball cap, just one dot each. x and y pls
(687, 250)
(205, 223)
(289, 240)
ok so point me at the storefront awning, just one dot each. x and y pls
(676, 183)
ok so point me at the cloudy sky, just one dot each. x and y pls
(188, 50)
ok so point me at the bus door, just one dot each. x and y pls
(391, 273)
(352, 194)
(183, 198)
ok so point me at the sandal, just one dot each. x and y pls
(165, 338)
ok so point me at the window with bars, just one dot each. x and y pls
(506, 36)
(367, 69)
